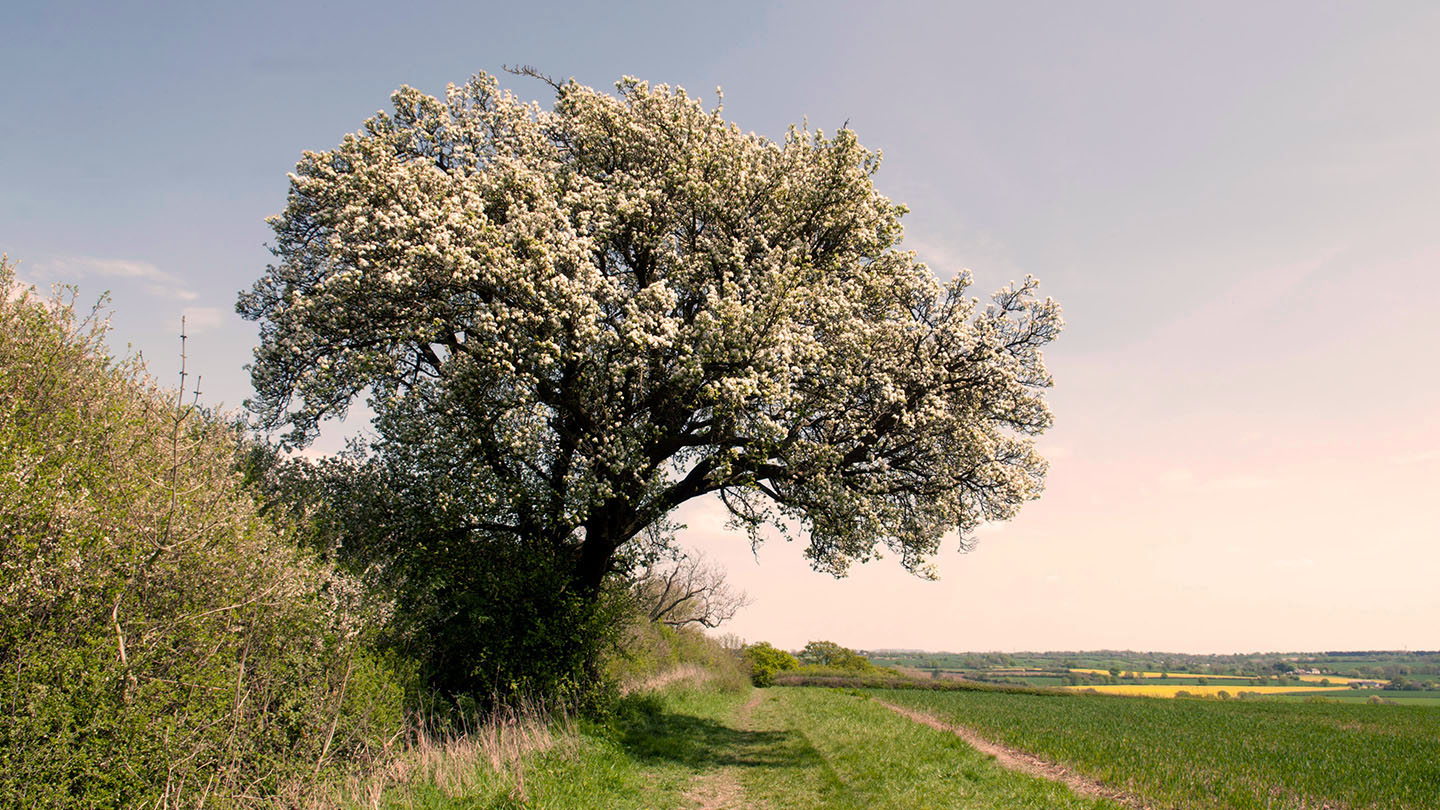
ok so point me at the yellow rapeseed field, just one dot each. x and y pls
(1167, 690)
(1334, 679)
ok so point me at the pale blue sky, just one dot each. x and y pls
(1236, 203)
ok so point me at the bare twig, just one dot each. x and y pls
(690, 591)
(529, 70)
(339, 705)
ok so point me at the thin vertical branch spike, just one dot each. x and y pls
(180, 399)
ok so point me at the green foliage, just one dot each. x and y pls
(653, 651)
(765, 661)
(832, 655)
(163, 644)
(485, 620)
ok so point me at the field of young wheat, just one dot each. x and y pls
(1208, 755)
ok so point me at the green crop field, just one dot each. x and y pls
(1206, 755)
(1403, 698)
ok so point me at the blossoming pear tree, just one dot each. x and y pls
(592, 314)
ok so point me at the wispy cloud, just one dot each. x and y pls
(1243, 482)
(21, 279)
(155, 281)
(939, 257)
(990, 528)
(964, 249)
(14, 288)
(1303, 562)
(202, 319)
(1055, 452)
(1422, 457)
(1181, 478)
(1240, 302)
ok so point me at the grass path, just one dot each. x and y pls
(720, 789)
(767, 749)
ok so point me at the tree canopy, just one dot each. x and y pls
(830, 654)
(765, 661)
(578, 318)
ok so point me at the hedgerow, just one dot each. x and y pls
(162, 644)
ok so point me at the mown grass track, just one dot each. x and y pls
(804, 748)
(1208, 755)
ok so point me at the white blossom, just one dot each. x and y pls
(588, 315)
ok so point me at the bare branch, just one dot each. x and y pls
(690, 590)
(532, 72)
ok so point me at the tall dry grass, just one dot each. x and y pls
(695, 674)
(488, 758)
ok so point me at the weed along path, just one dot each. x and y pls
(1017, 760)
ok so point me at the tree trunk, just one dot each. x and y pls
(596, 554)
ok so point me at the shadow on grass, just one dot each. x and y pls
(650, 733)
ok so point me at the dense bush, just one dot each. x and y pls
(650, 652)
(162, 644)
(483, 618)
(765, 661)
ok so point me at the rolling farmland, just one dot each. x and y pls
(1334, 679)
(1207, 755)
(1163, 690)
